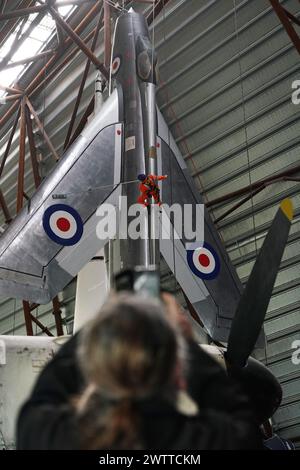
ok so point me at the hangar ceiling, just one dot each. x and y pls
(226, 74)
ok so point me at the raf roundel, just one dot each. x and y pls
(115, 65)
(204, 262)
(63, 224)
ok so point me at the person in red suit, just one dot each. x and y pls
(149, 188)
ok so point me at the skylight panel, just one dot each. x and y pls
(29, 48)
(7, 45)
(41, 33)
(29, 21)
(8, 77)
(48, 22)
(64, 11)
(32, 45)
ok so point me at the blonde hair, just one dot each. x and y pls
(128, 353)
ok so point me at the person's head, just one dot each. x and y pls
(142, 177)
(129, 353)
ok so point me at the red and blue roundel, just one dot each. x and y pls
(63, 224)
(204, 261)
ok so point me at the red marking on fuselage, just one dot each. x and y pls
(204, 260)
(63, 224)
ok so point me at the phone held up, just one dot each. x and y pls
(142, 281)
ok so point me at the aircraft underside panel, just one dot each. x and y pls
(215, 299)
(34, 264)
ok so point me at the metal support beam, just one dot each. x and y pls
(252, 194)
(47, 73)
(83, 80)
(42, 129)
(9, 89)
(59, 31)
(151, 17)
(21, 169)
(40, 77)
(38, 9)
(8, 98)
(3, 5)
(9, 142)
(57, 316)
(74, 36)
(239, 204)
(159, 6)
(28, 318)
(107, 35)
(37, 322)
(83, 121)
(283, 176)
(33, 58)
(20, 38)
(21, 12)
(47, 77)
(34, 163)
(287, 19)
(10, 25)
(5, 209)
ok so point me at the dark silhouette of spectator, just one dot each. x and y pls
(134, 378)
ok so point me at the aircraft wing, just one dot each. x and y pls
(54, 235)
(213, 289)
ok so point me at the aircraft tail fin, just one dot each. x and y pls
(252, 308)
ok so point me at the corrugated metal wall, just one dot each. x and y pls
(226, 77)
(227, 85)
(12, 314)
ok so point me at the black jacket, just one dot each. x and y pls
(225, 421)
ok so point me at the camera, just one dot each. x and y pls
(141, 281)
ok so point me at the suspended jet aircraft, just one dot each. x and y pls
(54, 236)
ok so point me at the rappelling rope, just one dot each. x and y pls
(153, 72)
(96, 188)
(171, 176)
(244, 117)
(189, 154)
(247, 141)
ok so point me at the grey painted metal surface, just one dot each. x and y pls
(35, 266)
(133, 70)
(201, 90)
(32, 265)
(215, 300)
